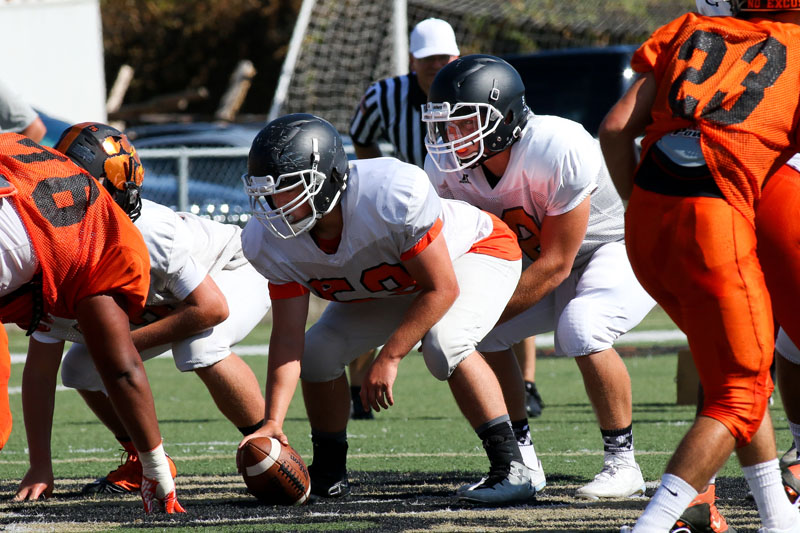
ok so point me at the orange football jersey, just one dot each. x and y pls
(85, 243)
(737, 82)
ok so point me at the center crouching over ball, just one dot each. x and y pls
(273, 473)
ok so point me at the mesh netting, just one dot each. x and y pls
(348, 43)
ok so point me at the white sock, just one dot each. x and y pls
(529, 455)
(627, 457)
(795, 429)
(156, 467)
(523, 435)
(668, 503)
(774, 508)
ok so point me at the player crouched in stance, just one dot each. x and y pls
(717, 101)
(204, 297)
(399, 265)
(544, 176)
(68, 251)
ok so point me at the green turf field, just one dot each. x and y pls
(405, 465)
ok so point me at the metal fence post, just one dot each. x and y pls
(183, 179)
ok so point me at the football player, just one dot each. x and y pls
(67, 250)
(544, 176)
(717, 101)
(204, 297)
(399, 266)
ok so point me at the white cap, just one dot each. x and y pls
(714, 8)
(433, 37)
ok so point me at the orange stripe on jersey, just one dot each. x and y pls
(285, 291)
(423, 243)
(501, 243)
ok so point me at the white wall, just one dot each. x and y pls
(51, 52)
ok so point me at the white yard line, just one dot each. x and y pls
(542, 341)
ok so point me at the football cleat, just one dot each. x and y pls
(702, 516)
(515, 486)
(327, 484)
(533, 401)
(126, 479)
(358, 411)
(790, 456)
(617, 479)
(790, 474)
(168, 504)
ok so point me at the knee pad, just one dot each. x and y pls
(442, 354)
(78, 371)
(325, 355)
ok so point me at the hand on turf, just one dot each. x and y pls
(37, 483)
(376, 389)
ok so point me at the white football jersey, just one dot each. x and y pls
(183, 249)
(387, 208)
(553, 167)
(794, 162)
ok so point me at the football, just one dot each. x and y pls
(273, 473)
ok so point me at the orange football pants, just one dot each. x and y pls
(697, 257)
(778, 232)
(5, 374)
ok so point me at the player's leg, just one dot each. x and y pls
(5, 374)
(357, 369)
(700, 253)
(341, 333)
(496, 348)
(107, 333)
(230, 381)
(595, 305)
(525, 351)
(449, 351)
(78, 372)
(236, 392)
(778, 232)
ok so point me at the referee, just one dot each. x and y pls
(390, 109)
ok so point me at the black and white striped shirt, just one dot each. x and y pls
(390, 110)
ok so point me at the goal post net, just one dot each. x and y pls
(339, 47)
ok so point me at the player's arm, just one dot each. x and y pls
(434, 274)
(620, 128)
(39, 379)
(560, 239)
(204, 308)
(36, 130)
(283, 368)
(367, 151)
(106, 329)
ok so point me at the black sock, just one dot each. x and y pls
(500, 444)
(618, 440)
(521, 431)
(247, 430)
(330, 453)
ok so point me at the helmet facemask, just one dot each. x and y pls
(281, 221)
(123, 175)
(455, 136)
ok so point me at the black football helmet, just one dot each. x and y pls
(108, 155)
(476, 108)
(738, 6)
(298, 152)
(714, 8)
